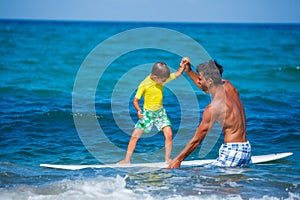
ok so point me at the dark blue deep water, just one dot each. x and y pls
(65, 98)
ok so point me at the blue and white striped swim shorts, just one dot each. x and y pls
(234, 155)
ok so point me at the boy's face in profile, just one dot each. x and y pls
(159, 80)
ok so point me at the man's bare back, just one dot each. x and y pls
(234, 127)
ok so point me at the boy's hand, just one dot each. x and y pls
(140, 115)
(185, 63)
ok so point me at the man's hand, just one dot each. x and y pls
(185, 63)
(174, 164)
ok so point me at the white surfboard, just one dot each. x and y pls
(255, 160)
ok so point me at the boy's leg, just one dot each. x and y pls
(136, 134)
(168, 142)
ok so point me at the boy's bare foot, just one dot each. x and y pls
(168, 161)
(122, 162)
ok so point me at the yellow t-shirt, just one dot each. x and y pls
(153, 93)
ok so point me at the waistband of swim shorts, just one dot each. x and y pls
(236, 144)
(155, 112)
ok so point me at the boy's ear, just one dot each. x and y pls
(154, 77)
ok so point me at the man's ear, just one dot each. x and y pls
(210, 82)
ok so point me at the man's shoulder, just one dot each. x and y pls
(227, 83)
(230, 89)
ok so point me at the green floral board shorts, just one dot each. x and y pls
(158, 118)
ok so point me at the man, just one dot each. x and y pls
(225, 108)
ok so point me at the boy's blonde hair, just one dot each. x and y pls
(161, 70)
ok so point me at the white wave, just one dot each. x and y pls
(106, 188)
(292, 196)
(94, 188)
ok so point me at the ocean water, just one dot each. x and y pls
(66, 91)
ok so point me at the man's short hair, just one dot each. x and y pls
(210, 70)
(220, 67)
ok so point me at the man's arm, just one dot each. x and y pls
(187, 68)
(202, 130)
(192, 75)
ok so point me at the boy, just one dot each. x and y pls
(153, 112)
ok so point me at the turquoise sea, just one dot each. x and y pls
(65, 98)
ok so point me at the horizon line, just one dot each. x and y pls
(146, 21)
